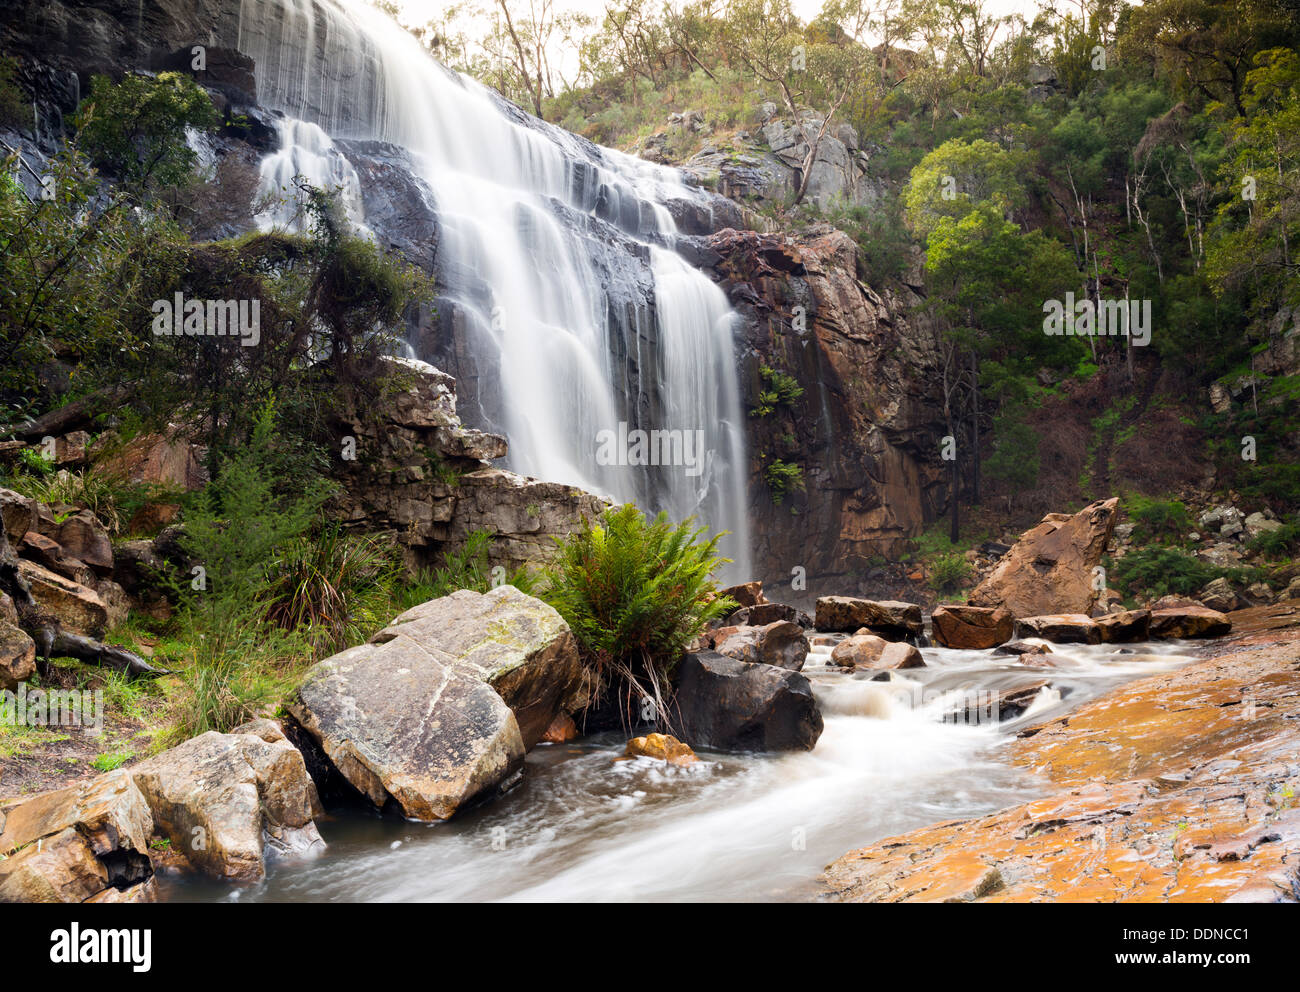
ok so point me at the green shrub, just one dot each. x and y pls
(111, 760)
(783, 478)
(239, 663)
(1014, 459)
(137, 128)
(1281, 543)
(109, 498)
(15, 111)
(1163, 520)
(948, 573)
(1157, 571)
(468, 568)
(635, 593)
(779, 390)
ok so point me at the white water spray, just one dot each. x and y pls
(556, 257)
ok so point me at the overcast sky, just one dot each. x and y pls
(419, 11)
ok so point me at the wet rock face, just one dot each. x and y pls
(729, 705)
(1173, 788)
(1050, 569)
(440, 707)
(866, 430)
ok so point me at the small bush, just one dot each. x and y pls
(109, 761)
(1281, 543)
(635, 592)
(782, 478)
(779, 390)
(468, 568)
(239, 663)
(1156, 572)
(948, 573)
(1162, 520)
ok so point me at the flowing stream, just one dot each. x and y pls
(585, 827)
(556, 261)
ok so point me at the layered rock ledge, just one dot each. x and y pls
(1180, 787)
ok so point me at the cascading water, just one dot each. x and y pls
(555, 259)
(584, 826)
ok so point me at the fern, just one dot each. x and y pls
(635, 593)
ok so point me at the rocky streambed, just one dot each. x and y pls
(1177, 787)
(897, 751)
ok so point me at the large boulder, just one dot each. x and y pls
(76, 844)
(1050, 569)
(440, 707)
(17, 656)
(83, 537)
(892, 620)
(227, 800)
(1130, 625)
(77, 607)
(1188, 621)
(514, 643)
(859, 651)
(782, 644)
(1060, 628)
(731, 705)
(972, 627)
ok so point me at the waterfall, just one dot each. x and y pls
(555, 259)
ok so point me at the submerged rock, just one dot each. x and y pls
(730, 705)
(662, 747)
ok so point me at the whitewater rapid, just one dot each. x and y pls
(584, 827)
